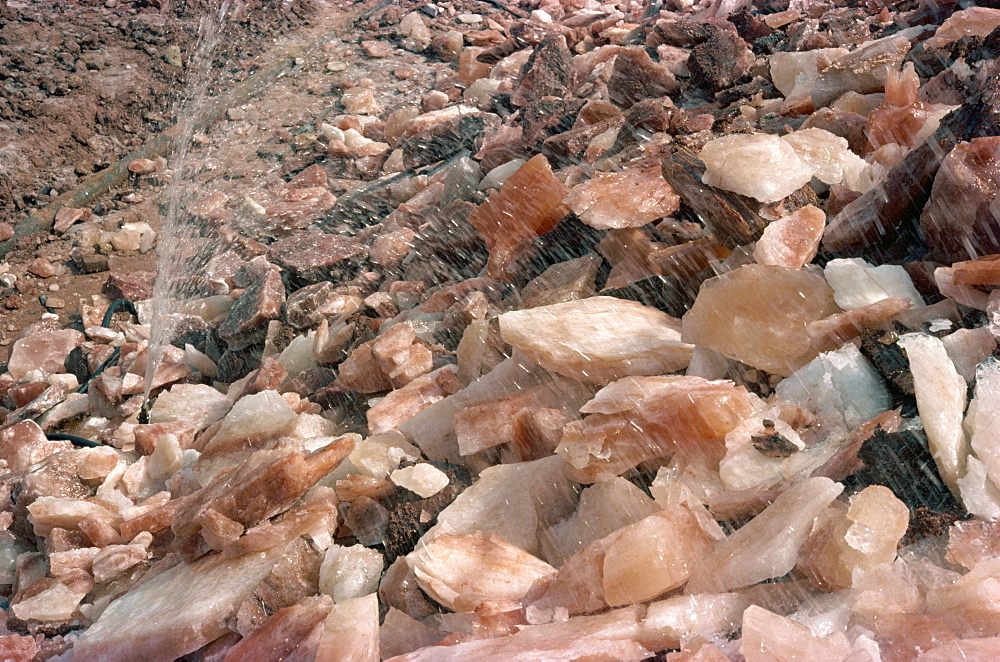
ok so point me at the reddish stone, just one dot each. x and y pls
(123, 286)
(317, 257)
(529, 204)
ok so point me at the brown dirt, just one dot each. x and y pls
(84, 83)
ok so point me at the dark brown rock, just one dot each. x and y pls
(637, 77)
(958, 222)
(259, 303)
(541, 119)
(311, 258)
(568, 148)
(683, 33)
(730, 216)
(720, 61)
(548, 72)
(124, 286)
(430, 139)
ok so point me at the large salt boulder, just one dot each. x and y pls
(599, 339)
(45, 351)
(758, 314)
(757, 165)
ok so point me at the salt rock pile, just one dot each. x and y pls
(653, 331)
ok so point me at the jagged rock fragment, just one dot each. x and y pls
(631, 198)
(529, 204)
(641, 418)
(758, 314)
(597, 340)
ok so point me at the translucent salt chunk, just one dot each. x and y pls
(350, 572)
(198, 404)
(759, 165)
(941, 394)
(857, 283)
(598, 339)
(841, 387)
(786, 67)
(424, 479)
(254, 417)
(829, 157)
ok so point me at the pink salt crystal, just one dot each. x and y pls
(142, 166)
(313, 176)
(67, 216)
(758, 314)
(536, 432)
(350, 631)
(864, 536)
(176, 612)
(768, 637)
(792, 241)
(287, 634)
(969, 606)
(390, 248)
(459, 571)
(972, 541)
(6, 231)
(971, 22)
(528, 205)
(641, 418)
(981, 649)
(903, 118)
(25, 444)
(634, 197)
(833, 331)
(404, 403)
(488, 423)
(18, 648)
(261, 487)
(698, 650)
(42, 268)
(652, 556)
(116, 559)
(469, 68)
(45, 351)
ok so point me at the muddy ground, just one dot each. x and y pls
(86, 83)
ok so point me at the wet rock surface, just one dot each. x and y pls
(503, 330)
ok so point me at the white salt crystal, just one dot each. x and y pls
(423, 479)
(56, 603)
(979, 494)
(768, 545)
(198, 404)
(758, 165)
(787, 67)
(857, 283)
(350, 572)
(940, 393)
(379, 454)
(986, 423)
(967, 348)
(538, 491)
(496, 177)
(840, 387)
(166, 459)
(831, 160)
(255, 417)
